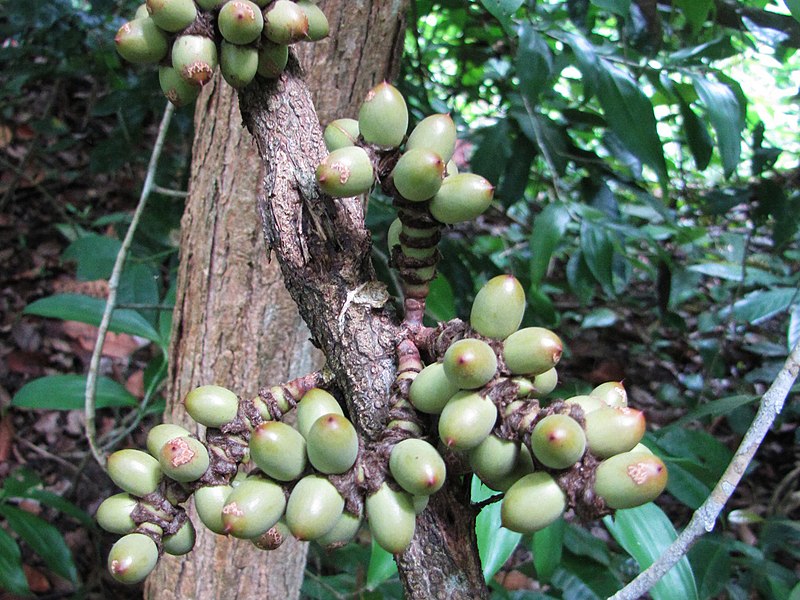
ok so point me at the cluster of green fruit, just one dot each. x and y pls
(188, 39)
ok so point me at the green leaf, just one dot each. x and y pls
(700, 143)
(94, 254)
(12, 577)
(495, 543)
(580, 279)
(66, 392)
(548, 229)
(493, 151)
(711, 563)
(598, 252)
(24, 483)
(726, 118)
(716, 408)
(381, 566)
(548, 545)
(534, 63)
(695, 11)
(503, 10)
(645, 532)
(794, 8)
(761, 305)
(440, 304)
(44, 539)
(793, 334)
(619, 7)
(599, 317)
(77, 307)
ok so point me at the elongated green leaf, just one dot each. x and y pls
(794, 7)
(503, 10)
(381, 566)
(645, 532)
(548, 545)
(495, 543)
(76, 307)
(715, 408)
(619, 7)
(599, 317)
(726, 119)
(94, 254)
(711, 563)
(548, 229)
(66, 392)
(24, 483)
(700, 143)
(44, 539)
(761, 305)
(534, 63)
(598, 251)
(441, 303)
(12, 577)
(695, 11)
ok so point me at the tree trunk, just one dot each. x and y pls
(234, 324)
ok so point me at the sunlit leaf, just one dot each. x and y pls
(794, 7)
(381, 566)
(695, 11)
(66, 392)
(793, 334)
(726, 118)
(495, 543)
(761, 305)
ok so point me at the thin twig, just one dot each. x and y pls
(168, 192)
(113, 284)
(704, 517)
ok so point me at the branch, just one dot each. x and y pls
(704, 517)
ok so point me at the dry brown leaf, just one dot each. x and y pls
(37, 581)
(135, 384)
(117, 345)
(6, 438)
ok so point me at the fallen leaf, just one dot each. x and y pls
(37, 581)
(6, 437)
(116, 345)
(135, 384)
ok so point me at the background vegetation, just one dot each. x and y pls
(646, 167)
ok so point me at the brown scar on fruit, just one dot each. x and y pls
(232, 509)
(639, 472)
(199, 72)
(343, 170)
(181, 452)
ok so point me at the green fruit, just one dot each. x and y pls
(318, 26)
(141, 12)
(340, 134)
(494, 458)
(470, 363)
(272, 59)
(177, 90)
(208, 502)
(238, 64)
(531, 351)
(332, 444)
(417, 467)
(418, 174)
(544, 383)
(141, 41)
(134, 471)
(172, 15)
(532, 503)
(498, 307)
(383, 116)
(587, 403)
(392, 519)
(253, 507)
(466, 420)
(343, 531)
(346, 172)
(436, 133)
(462, 197)
(612, 393)
(523, 466)
(240, 21)
(114, 513)
(431, 389)
(285, 23)
(161, 434)
(610, 431)
(630, 479)
(393, 235)
(182, 541)
(279, 450)
(212, 405)
(420, 503)
(210, 5)
(315, 403)
(451, 168)
(183, 459)
(132, 558)
(314, 508)
(558, 441)
(194, 57)
(273, 538)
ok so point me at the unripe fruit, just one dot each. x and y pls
(531, 351)
(183, 459)
(417, 467)
(610, 431)
(436, 133)
(522, 467)
(462, 197)
(314, 507)
(431, 389)
(285, 23)
(451, 168)
(383, 116)
(498, 307)
(420, 503)
(279, 450)
(212, 405)
(194, 57)
(172, 15)
(272, 59)
(391, 518)
(208, 501)
(345, 529)
(346, 172)
(240, 21)
(470, 363)
(177, 90)
(466, 420)
(273, 538)
(332, 444)
(558, 441)
(630, 479)
(315, 403)
(318, 26)
(134, 471)
(612, 393)
(253, 507)
(418, 174)
(141, 41)
(532, 503)
(238, 64)
(393, 235)
(114, 513)
(494, 458)
(340, 134)
(544, 383)
(132, 558)
(141, 12)
(587, 403)
(161, 434)
(210, 5)
(182, 541)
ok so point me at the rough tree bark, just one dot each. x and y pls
(234, 324)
